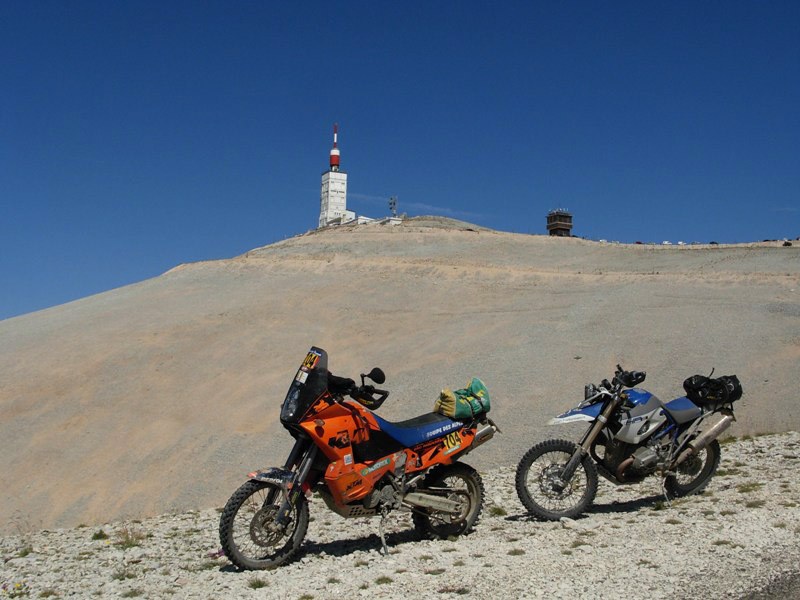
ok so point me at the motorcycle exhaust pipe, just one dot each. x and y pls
(484, 434)
(704, 439)
(620, 473)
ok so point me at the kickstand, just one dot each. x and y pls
(384, 512)
(664, 491)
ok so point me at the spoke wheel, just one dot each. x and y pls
(463, 485)
(248, 533)
(693, 474)
(541, 489)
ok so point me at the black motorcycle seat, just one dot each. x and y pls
(426, 419)
(419, 429)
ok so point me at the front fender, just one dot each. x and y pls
(587, 413)
(276, 475)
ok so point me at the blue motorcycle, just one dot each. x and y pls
(631, 435)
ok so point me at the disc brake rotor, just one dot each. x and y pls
(550, 482)
(264, 531)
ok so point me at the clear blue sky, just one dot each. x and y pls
(135, 136)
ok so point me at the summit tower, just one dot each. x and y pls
(333, 194)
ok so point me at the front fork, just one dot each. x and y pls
(303, 454)
(586, 443)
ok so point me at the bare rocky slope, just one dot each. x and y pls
(161, 396)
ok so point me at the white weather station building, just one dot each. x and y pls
(333, 195)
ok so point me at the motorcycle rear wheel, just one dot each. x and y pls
(694, 474)
(537, 481)
(466, 486)
(247, 530)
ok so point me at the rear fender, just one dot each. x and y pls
(449, 448)
(587, 413)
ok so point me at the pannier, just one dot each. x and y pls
(707, 392)
(464, 403)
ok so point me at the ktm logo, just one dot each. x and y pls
(354, 484)
(342, 440)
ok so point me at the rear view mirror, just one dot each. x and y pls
(377, 375)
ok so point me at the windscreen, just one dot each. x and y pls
(309, 383)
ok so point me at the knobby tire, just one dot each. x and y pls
(694, 474)
(244, 536)
(432, 525)
(536, 471)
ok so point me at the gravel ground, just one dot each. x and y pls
(739, 539)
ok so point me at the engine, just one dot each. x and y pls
(628, 463)
(383, 495)
(644, 458)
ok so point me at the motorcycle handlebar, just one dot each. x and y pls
(371, 389)
(369, 395)
(340, 385)
(344, 386)
(625, 378)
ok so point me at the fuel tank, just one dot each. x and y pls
(640, 416)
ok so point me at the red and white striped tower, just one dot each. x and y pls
(333, 195)
(335, 149)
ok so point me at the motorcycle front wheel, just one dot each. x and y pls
(458, 482)
(693, 474)
(539, 484)
(248, 533)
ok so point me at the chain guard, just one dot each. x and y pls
(449, 494)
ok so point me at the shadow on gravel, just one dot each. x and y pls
(627, 506)
(341, 548)
(344, 547)
(231, 569)
(360, 544)
(601, 508)
(782, 586)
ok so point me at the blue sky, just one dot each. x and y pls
(135, 136)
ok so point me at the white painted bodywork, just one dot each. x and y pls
(573, 418)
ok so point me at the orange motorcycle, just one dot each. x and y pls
(360, 464)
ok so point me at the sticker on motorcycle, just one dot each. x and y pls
(301, 376)
(440, 430)
(376, 466)
(452, 441)
(340, 440)
(353, 484)
(348, 459)
(312, 358)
